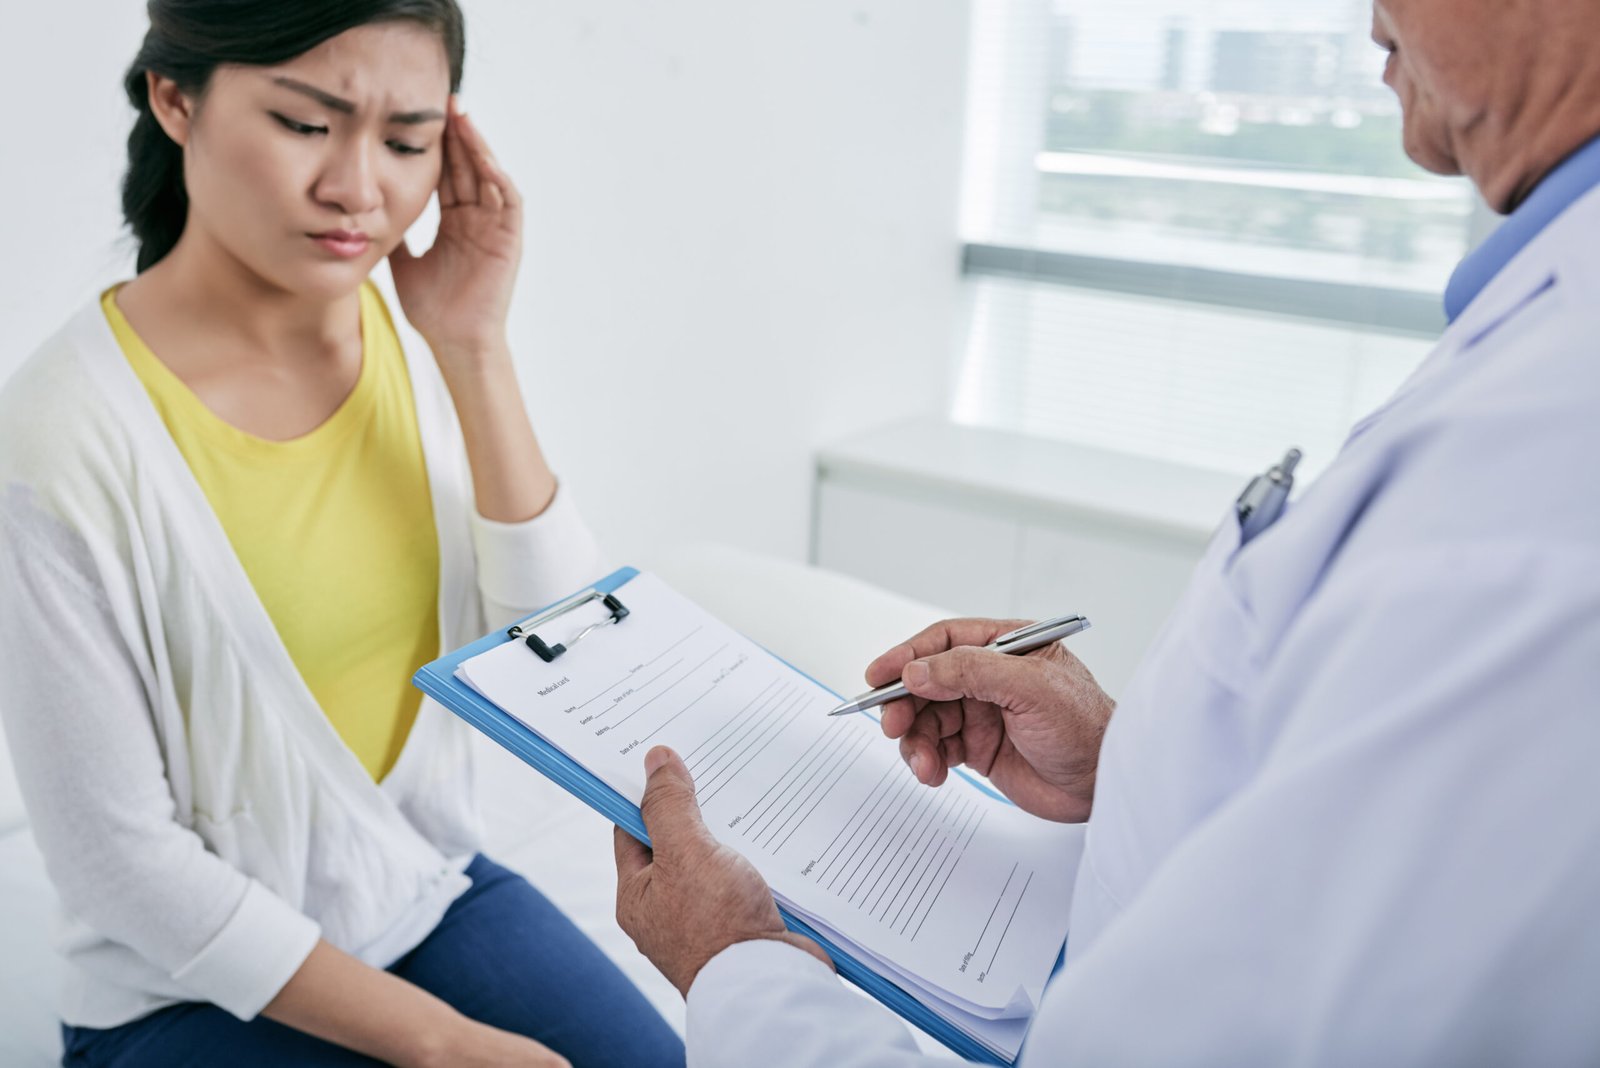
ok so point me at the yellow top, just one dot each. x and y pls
(334, 528)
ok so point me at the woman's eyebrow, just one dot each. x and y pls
(339, 104)
(416, 118)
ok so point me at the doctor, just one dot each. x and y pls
(1348, 812)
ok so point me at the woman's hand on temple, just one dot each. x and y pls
(458, 293)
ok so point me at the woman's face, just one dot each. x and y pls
(310, 172)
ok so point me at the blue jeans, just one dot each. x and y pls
(503, 955)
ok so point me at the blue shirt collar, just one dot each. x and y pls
(1578, 174)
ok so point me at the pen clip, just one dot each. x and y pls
(1031, 629)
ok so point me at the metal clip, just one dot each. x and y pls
(523, 631)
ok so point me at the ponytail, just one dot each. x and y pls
(155, 202)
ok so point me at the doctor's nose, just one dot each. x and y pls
(349, 182)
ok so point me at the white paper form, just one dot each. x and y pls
(951, 891)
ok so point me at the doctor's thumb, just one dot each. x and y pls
(981, 674)
(670, 810)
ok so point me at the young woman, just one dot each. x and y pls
(241, 500)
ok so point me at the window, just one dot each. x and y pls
(1191, 231)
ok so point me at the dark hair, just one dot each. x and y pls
(189, 39)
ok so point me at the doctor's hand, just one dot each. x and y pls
(690, 897)
(1032, 724)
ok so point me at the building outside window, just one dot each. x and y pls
(1191, 231)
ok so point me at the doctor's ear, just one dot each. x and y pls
(173, 109)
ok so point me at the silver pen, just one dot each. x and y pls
(1022, 640)
(1259, 506)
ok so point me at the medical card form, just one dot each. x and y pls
(958, 897)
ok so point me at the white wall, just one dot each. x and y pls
(61, 162)
(742, 230)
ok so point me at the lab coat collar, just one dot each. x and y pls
(1543, 261)
(1533, 270)
(1559, 190)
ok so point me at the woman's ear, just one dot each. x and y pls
(172, 108)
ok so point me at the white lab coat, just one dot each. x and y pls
(1348, 811)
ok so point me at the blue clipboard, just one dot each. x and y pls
(438, 681)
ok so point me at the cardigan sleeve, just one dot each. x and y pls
(524, 566)
(91, 772)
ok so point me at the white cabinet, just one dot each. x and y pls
(992, 524)
(957, 558)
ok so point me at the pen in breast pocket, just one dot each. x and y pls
(1017, 642)
(1262, 501)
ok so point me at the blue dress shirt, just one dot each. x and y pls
(1575, 176)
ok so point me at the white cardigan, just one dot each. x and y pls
(202, 821)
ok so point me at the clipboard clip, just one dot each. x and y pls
(524, 631)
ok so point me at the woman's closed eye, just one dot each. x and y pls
(306, 129)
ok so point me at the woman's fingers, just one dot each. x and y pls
(447, 188)
(458, 158)
(495, 186)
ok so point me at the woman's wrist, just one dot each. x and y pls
(342, 1000)
(442, 1038)
(511, 481)
(471, 355)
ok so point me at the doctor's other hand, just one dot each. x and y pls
(688, 897)
(1032, 724)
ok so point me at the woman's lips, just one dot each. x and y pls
(345, 244)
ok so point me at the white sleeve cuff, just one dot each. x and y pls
(768, 1002)
(524, 566)
(735, 966)
(256, 953)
